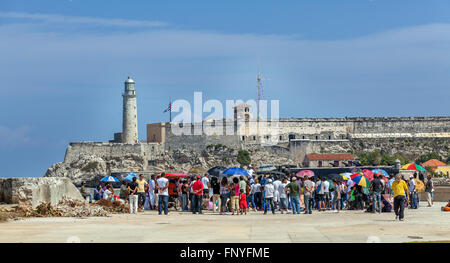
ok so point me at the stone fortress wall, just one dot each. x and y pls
(320, 130)
(296, 138)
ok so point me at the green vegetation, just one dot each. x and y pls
(90, 166)
(243, 158)
(428, 156)
(378, 158)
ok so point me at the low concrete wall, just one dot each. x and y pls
(441, 194)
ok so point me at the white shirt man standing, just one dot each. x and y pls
(270, 192)
(162, 184)
(205, 182)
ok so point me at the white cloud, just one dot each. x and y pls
(52, 18)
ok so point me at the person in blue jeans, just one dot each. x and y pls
(162, 185)
(294, 193)
(376, 187)
(412, 192)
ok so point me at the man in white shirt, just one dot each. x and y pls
(283, 196)
(276, 185)
(326, 191)
(250, 170)
(270, 192)
(412, 192)
(205, 182)
(162, 185)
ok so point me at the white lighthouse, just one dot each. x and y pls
(129, 128)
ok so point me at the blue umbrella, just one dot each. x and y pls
(110, 179)
(236, 171)
(129, 177)
(380, 172)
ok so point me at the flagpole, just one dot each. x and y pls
(170, 111)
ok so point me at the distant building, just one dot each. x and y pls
(327, 159)
(433, 163)
(156, 132)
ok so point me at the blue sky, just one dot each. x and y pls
(63, 63)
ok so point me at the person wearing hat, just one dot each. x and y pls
(293, 188)
(270, 193)
(197, 188)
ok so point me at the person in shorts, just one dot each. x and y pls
(205, 182)
(320, 192)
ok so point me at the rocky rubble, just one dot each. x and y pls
(65, 208)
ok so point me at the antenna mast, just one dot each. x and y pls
(259, 90)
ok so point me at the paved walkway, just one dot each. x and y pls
(423, 224)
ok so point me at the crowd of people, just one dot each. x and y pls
(237, 195)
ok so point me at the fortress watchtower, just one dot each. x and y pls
(129, 125)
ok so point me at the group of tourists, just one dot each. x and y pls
(267, 192)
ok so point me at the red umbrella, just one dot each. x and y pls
(354, 175)
(368, 174)
(304, 173)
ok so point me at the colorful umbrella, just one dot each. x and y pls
(420, 187)
(110, 179)
(307, 173)
(361, 180)
(355, 175)
(380, 172)
(413, 166)
(368, 174)
(346, 176)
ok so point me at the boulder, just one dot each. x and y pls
(37, 190)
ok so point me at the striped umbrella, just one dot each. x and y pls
(368, 174)
(413, 166)
(355, 175)
(361, 180)
(346, 176)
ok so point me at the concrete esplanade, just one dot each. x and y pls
(129, 128)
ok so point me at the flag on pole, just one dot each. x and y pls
(168, 108)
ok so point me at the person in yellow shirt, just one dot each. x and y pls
(399, 189)
(141, 189)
